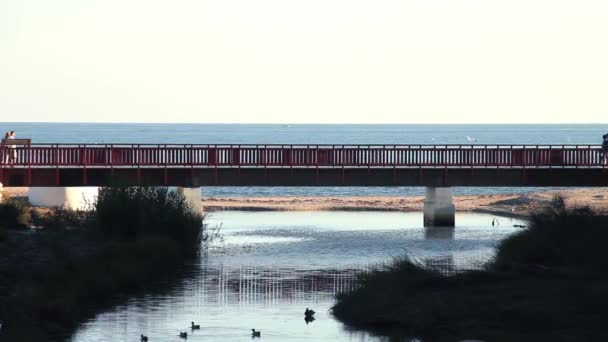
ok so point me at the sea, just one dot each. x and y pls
(338, 134)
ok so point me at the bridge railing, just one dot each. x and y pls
(106, 155)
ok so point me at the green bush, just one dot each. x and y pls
(545, 284)
(14, 214)
(62, 218)
(127, 213)
(557, 236)
(127, 240)
(68, 288)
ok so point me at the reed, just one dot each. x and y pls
(546, 283)
(81, 261)
(14, 214)
(149, 211)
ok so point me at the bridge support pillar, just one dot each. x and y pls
(193, 196)
(439, 209)
(67, 197)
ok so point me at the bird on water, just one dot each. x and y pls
(144, 338)
(309, 313)
(195, 326)
(255, 333)
(183, 334)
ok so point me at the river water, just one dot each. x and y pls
(271, 266)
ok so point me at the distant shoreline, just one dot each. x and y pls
(512, 205)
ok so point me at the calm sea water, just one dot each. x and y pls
(313, 134)
(271, 266)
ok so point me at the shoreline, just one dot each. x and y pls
(511, 205)
(540, 278)
(71, 267)
(517, 205)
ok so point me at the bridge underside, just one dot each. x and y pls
(191, 177)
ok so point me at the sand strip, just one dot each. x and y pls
(517, 205)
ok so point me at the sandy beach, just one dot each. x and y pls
(517, 205)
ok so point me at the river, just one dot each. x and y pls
(270, 266)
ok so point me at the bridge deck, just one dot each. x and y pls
(303, 165)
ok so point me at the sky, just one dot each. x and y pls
(304, 61)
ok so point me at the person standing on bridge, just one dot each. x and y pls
(605, 149)
(4, 148)
(12, 149)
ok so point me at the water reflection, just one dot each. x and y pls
(254, 285)
(272, 266)
(445, 233)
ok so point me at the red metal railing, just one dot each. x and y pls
(171, 155)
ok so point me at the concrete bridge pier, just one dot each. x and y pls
(439, 209)
(193, 196)
(67, 197)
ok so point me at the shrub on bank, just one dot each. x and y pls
(546, 283)
(14, 214)
(127, 213)
(557, 236)
(126, 240)
(53, 300)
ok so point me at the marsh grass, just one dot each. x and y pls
(149, 211)
(558, 236)
(546, 283)
(73, 286)
(14, 214)
(122, 244)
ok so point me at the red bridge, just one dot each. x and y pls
(193, 165)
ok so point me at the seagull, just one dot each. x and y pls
(471, 139)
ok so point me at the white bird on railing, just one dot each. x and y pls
(471, 139)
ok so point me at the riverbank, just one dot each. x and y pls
(53, 281)
(78, 263)
(546, 283)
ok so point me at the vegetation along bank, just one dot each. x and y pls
(76, 263)
(546, 283)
